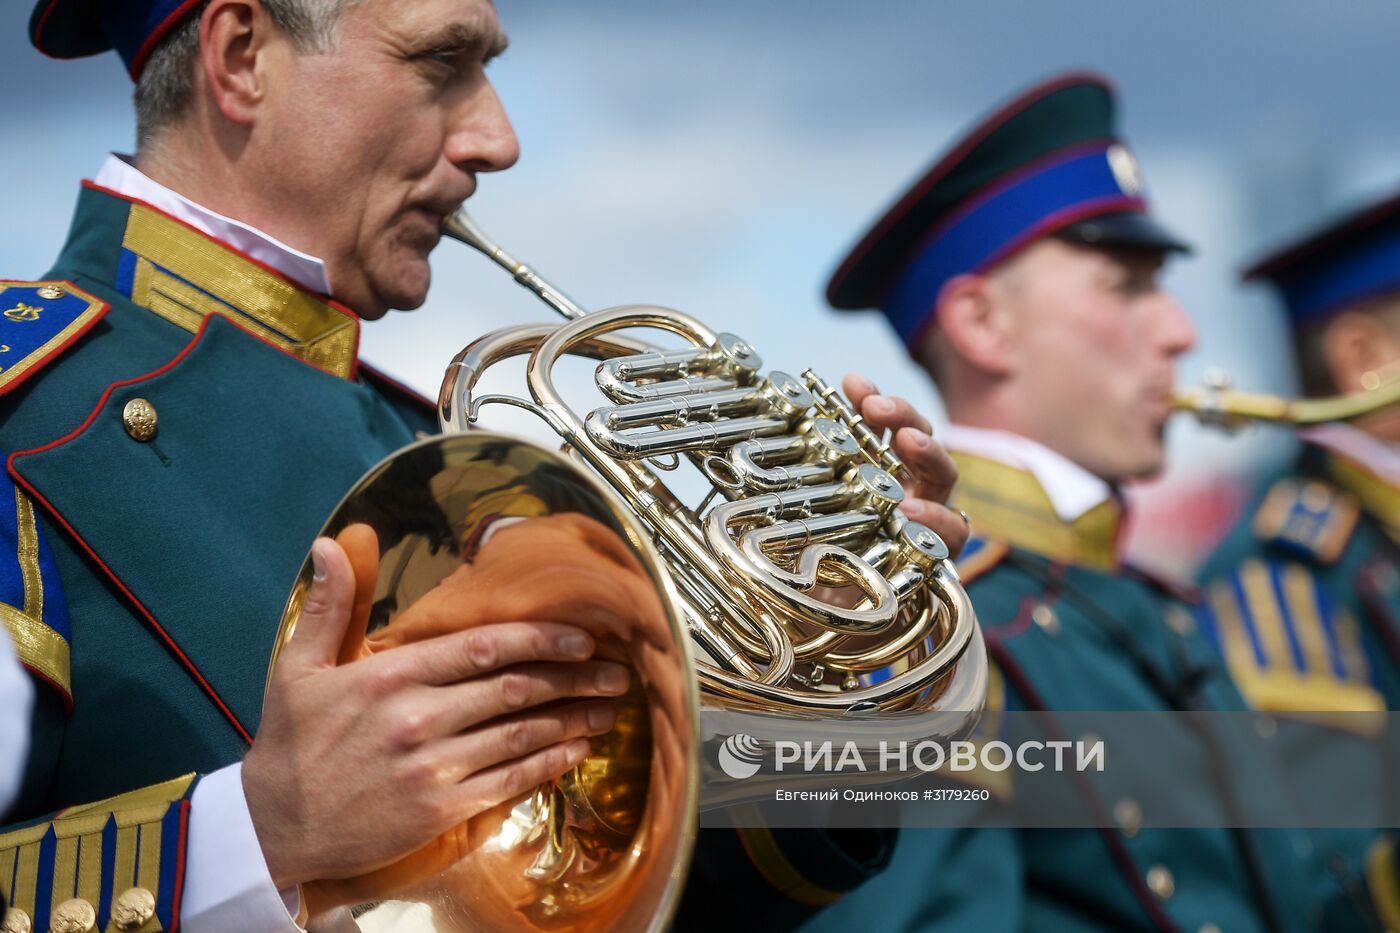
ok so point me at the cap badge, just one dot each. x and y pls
(1125, 170)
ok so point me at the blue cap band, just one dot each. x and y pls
(1039, 200)
(1319, 289)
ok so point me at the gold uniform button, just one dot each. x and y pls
(16, 921)
(74, 916)
(1127, 813)
(132, 909)
(51, 292)
(1045, 617)
(1160, 880)
(139, 419)
(1181, 622)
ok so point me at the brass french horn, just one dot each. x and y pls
(795, 585)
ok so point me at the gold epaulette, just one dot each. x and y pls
(977, 557)
(1290, 648)
(32, 610)
(1308, 518)
(117, 864)
(38, 321)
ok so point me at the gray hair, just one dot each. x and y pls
(166, 86)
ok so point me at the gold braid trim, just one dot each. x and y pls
(39, 646)
(184, 276)
(1009, 505)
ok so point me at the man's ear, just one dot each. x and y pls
(975, 323)
(1356, 344)
(233, 34)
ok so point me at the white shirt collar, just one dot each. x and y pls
(119, 175)
(1374, 454)
(1072, 489)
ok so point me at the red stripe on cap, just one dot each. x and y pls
(1006, 182)
(39, 30)
(144, 52)
(1320, 240)
(951, 161)
(1047, 226)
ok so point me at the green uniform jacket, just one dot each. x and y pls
(1304, 598)
(1068, 629)
(150, 569)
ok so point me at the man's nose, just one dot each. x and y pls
(1176, 330)
(482, 138)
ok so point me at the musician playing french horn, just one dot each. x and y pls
(183, 402)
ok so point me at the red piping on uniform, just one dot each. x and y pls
(413, 394)
(330, 302)
(72, 339)
(1024, 615)
(178, 889)
(62, 690)
(1182, 592)
(140, 607)
(1112, 840)
(1372, 599)
(147, 47)
(949, 162)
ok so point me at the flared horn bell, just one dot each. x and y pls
(607, 846)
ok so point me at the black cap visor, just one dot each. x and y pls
(1127, 229)
(67, 29)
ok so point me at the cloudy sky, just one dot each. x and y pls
(719, 157)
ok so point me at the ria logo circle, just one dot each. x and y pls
(740, 756)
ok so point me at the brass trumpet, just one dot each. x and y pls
(794, 585)
(1218, 404)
